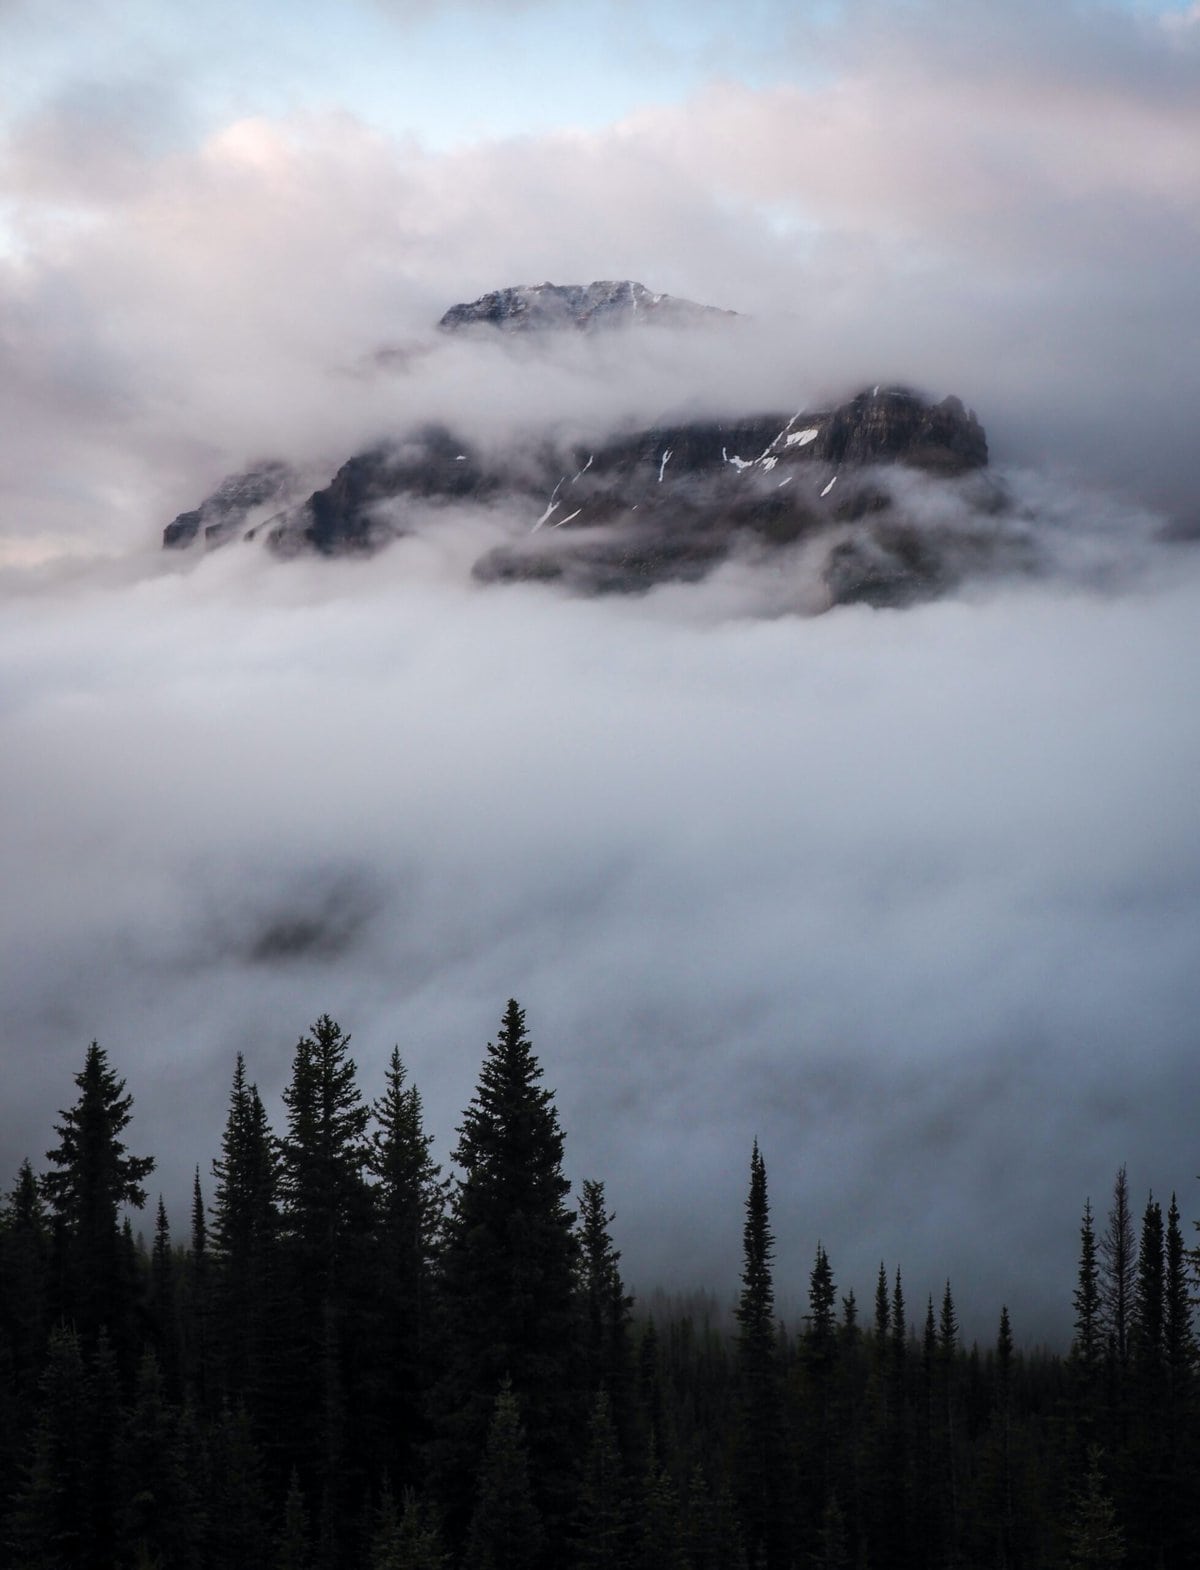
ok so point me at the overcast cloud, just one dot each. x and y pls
(911, 897)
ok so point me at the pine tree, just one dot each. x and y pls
(405, 1536)
(506, 1531)
(196, 1305)
(762, 1488)
(51, 1522)
(1145, 1484)
(160, 1517)
(238, 1514)
(244, 1246)
(1086, 1361)
(1094, 1537)
(602, 1520)
(24, 1281)
(294, 1551)
(510, 1305)
(1118, 1254)
(819, 1366)
(409, 1203)
(947, 1370)
(660, 1534)
(605, 1312)
(95, 1176)
(162, 1303)
(1180, 1439)
(326, 1224)
(323, 1156)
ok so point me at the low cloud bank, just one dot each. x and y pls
(911, 897)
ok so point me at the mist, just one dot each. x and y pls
(909, 897)
(913, 898)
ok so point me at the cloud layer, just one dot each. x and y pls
(908, 896)
(911, 898)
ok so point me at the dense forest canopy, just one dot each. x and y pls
(344, 1357)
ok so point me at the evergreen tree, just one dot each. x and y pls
(1118, 1254)
(947, 1379)
(238, 1514)
(833, 1549)
(509, 1281)
(322, 1158)
(163, 1304)
(94, 1177)
(819, 1367)
(1147, 1463)
(506, 1531)
(761, 1487)
(602, 1524)
(51, 1527)
(409, 1203)
(607, 1355)
(24, 1281)
(293, 1551)
(998, 1506)
(160, 1520)
(405, 1536)
(660, 1535)
(1181, 1442)
(244, 1236)
(1086, 1362)
(196, 1306)
(1094, 1537)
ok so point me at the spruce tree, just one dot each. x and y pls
(1118, 1255)
(293, 1550)
(660, 1536)
(605, 1311)
(25, 1281)
(819, 1364)
(602, 1519)
(1147, 1464)
(1180, 1438)
(510, 1307)
(322, 1158)
(762, 1487)
(506, 1530)
(237, 1502)
(1086, 1361)
(94, 1177)
(51, 1525)
(246, 1290)
(1094, 1537)
(160, 1517)
(409, 1204)
(326, 1225)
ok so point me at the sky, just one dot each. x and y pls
(911, 897)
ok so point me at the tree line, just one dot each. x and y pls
(355, 1361)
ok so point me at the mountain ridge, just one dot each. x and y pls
(669, 501)
(603, 305)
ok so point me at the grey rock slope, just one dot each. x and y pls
(886, 494)
(587, 307)
(671, 502)
(227, 512)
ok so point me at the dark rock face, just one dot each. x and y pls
(664, 504)
(223, 514)
(586, 307)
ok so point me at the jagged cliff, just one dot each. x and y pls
(586, 307)
(654, 504)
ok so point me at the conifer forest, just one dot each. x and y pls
(347, 1358)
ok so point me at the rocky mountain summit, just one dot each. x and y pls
(590, 307)
(886, 494)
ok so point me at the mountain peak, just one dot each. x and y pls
(587, 307)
